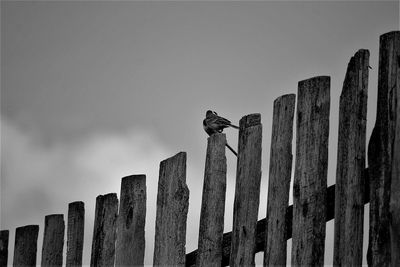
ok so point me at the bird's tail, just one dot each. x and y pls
(234, 126)
(231, 149)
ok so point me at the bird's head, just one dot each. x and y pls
(209, 113)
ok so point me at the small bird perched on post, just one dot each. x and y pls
(215, 124)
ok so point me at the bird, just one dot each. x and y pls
(216, 124)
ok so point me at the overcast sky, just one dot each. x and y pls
(94, 91)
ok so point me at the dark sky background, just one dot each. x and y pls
(94, 91)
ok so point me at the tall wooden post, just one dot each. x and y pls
(104, 232)
(310, 179)
(213, 204)
(280, 170)
(4, 234)
(247, 191)
(53, 240)
(384, 159)
(26, 245)
(395, 129)
(172, 208)
(130, 245)
(349, 206)
(75, 233)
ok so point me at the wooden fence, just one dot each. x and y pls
(118, 235)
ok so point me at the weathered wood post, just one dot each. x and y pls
(310, 179)
(130, 244)
(26, 245)
(213, 204)
(247, 191)
(172, 208)
(384, 159)
(280, 170)
(395, 128)
(349, 200)
(75, 233)
(4, 234)
(104, 232)
(53, 240)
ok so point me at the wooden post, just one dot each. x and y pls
(394, 111)
(213, 203)
(261, 225)
(247, 191)
(26, 245)
(349, 208)
(280, 170)
(4, 247)
(53, 240)
(75, 233)
(172, 208)
(130, 245)
(383, 159)
(104, 232)
(310, 179)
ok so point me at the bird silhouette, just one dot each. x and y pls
(216, 124)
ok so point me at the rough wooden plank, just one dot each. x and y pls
(280, 170)
(4, 234)
(75, 233)
(26, 245)
(172, 208)
(394, 111)
(213, 203)
(260, 237)
(380, 155)
(131, 221)
(104, 232)
(53, 240)
(310, 179)
(247, 191)
(349, 213)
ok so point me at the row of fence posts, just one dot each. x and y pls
(118, 235)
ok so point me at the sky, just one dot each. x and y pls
(94, 91)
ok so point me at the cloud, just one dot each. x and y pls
(37, 180)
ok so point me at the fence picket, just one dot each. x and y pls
(213, 204)
(53, 240)
(280, 170)
(349, 207)
(4, 234)
(104, 231)
(130, 244)
(310, 178)
(26, 245)
(172, 208)
(75, 233)
(247, 191)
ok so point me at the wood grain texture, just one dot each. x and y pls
(280, 170)
(75, 233)
(172, 208)
(394, 115)
(213, 204)
(131, 221)
(349, 212)
(261, 225)
(4, 235)
(53, 240)
(26, 245)
(247, 191)
(310, 178)
(384, 226)
(104, 232)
